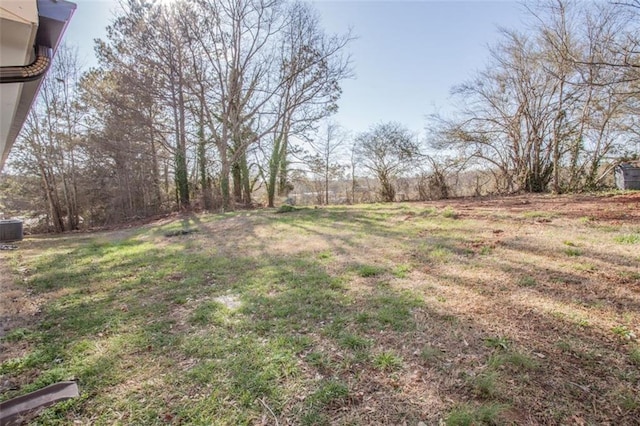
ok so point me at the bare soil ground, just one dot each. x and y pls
(616, 208)
(17, 307)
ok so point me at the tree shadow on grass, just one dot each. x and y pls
(145, 333)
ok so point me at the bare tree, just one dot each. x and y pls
(272, 72)
(439, 177)
(147, 52)
(323, 160)
(311, 66)
(537, 118)
(387, 150)
(49, 144)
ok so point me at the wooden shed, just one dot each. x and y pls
(628, 175)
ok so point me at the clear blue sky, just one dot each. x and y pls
(407, 56)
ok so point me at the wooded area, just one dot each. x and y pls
(223, 104)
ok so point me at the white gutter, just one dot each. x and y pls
(30, 32)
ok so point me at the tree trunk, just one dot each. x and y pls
(52, 199)
(246, 179)
(236, 172)
(274, 163)
(155, 173)
(202, 162)
(180, 159)
(225, 170)
(283, 166)
(181, 156)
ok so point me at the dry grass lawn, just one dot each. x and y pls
(519, 310)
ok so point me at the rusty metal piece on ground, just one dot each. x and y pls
(12, 412)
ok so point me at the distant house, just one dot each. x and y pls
(627, 175)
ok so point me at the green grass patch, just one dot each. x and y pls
(634, 355)
(354, 342)
(573, 252)
(485, 250)
(449, 213)
(17, 335)
(286, 208)
(392, 310)
(527, 281)
(314, 418)
(540, 215)
(498, 342)
(515, 359)
(485, 384)
(330, 394)
(318, 360)
(628, 401)
(401, 271)
(585, 267)
(469, 415)
(430, 353)
(387, 361)
(430, 211)
(441, 254)
(630, 275)
(325, 255)
(623, 332)
(366, 271)
(627, 239)
(208, 313)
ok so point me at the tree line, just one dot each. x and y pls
(556, 103)
(208, 104)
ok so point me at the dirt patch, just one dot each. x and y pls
(623, 208)
(18, 308)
